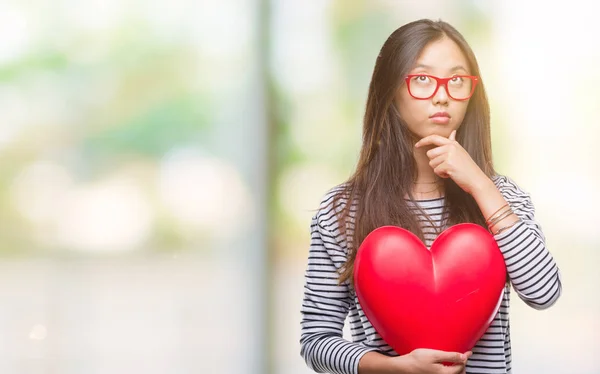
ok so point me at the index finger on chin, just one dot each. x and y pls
(432, 139)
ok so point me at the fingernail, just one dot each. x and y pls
(463, 356)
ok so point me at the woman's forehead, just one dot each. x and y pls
(442, 55)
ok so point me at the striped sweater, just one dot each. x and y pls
(326, 305)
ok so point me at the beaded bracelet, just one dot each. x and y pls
(493, 214)
(506, 227)
(499, 215)
(504, 214)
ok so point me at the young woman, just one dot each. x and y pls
(425, 165)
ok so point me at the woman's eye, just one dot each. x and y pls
(456, 80)
(422, 79)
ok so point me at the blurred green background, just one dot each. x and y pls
(160, 162)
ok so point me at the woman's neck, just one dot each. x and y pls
(424, 171)
(427, 185)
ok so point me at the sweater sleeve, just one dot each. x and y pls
(531, 268)
(325, 306)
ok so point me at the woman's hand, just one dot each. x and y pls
(450, 160)
(430, 361)
(419, 361)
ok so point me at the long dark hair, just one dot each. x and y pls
(386, 166)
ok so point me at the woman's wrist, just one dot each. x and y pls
(377, 363)
(483, 186)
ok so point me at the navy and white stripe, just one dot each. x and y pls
(326, 305)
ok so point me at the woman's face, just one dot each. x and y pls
(441, 58)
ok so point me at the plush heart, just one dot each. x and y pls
(444, 298)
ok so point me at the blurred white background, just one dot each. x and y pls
(160, 161)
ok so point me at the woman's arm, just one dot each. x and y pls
(324, 309)
(531, 268)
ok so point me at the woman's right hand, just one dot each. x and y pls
(419, 361)
(430, 361)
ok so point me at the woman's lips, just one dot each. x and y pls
(440, 118)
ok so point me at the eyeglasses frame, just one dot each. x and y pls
(441, 82)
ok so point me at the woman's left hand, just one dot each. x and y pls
(450, 160)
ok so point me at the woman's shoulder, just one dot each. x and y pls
(333, 202)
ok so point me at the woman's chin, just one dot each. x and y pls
(437, 130)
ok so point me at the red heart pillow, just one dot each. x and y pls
(444, 298)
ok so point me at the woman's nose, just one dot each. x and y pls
(441, 96)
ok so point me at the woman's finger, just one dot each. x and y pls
(447, 357)
(435, 152)
(442, 171)
(437, 161)
(433, 140)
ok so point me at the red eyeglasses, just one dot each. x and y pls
(424, 86)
